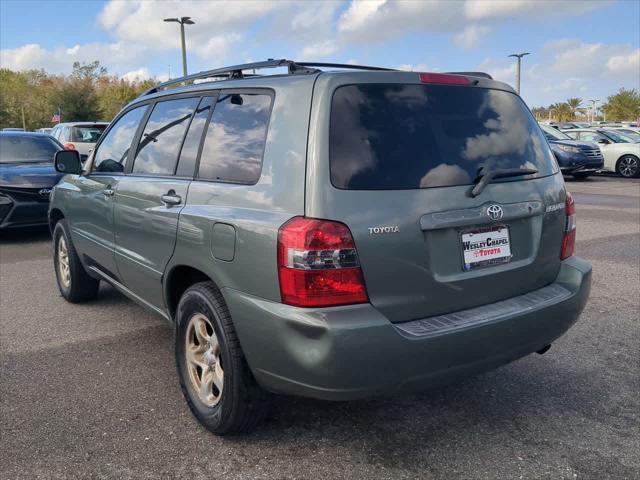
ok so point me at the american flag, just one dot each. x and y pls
(56, 117)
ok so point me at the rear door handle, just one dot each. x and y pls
(108, 192)
(171, 198)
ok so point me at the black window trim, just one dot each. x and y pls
(239, 90)
(108, 129)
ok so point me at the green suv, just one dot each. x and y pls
(330, 231)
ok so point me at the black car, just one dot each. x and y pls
(27, 176)
(579, 159)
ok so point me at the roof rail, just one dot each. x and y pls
(473, 74)
(236, 71)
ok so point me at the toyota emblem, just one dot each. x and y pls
(495, 212)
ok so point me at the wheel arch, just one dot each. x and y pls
(177, 280)
(55, 215)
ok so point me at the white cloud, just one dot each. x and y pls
(505, 9)
(625, 64)
(319, 50)
(419, 67)
(470, 36)
(137, 75)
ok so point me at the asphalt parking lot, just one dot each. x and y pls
(91, 390)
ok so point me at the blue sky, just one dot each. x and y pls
(588, 49)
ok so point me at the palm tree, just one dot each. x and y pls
(574, 103)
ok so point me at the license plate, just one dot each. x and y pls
(486, 247)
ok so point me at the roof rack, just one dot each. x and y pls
(236, 71)
(473, 74)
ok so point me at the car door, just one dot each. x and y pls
(151, 195)
(606, 147)
(92, 210)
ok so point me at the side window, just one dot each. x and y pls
(113, 151)
(160, 142)
(235, 138)
(590, 136)
(191, 145)
(573, 135)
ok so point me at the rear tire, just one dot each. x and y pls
(628, 166)
(74, 283)
(214, 376)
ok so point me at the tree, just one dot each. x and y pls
(92, 71)
(574, 103)
(78, 101)
(624, 105)
(115, 93)
(561, 112)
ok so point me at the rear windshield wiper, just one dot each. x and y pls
(485, 179)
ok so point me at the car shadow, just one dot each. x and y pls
(24, 235)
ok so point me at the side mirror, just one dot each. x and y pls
(604, 141)
(68, 161)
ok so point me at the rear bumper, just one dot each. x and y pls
(353, 352)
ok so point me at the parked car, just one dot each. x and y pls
(27, 176)
(12, 129)
(620, 154)
(330, 234)
(630, 132)
(80, 136)
(46, 131)
(579, 159)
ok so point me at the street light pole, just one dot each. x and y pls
(182, 21)
(519, 57)
(593, 109)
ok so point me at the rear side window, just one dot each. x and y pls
(235, 139)
(162, 137)
(111, 155)
(86, 133)
(397, 136)
(191, 145)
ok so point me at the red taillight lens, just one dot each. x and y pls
(444, 78)
(318, 264)
(69, 146)
(569, 239)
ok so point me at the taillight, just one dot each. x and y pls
(318, 264)
(569, 239)
(444, 78)
(69, 146)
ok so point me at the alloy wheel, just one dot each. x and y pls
(63, 263)
(203, 360)
(628, 166)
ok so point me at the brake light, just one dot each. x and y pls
(318, 264)
(569, 239)
(444, 78)
(69, 146)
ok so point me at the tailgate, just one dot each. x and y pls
(395, 163)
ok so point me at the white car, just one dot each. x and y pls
(621, 155)
(80, 136)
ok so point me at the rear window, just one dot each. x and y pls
(86, 134)
(397, 136)
(27, 148)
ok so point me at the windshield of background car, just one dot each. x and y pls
(397, 136)
(26, 148)
(554, 134)
(617, 137)
(87, 134)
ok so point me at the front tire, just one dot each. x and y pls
(74, 283)
(628, 166)
(214, 376)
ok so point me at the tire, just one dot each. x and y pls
(628, 166)
(75, 284)
(214, 376)
(581, 176)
